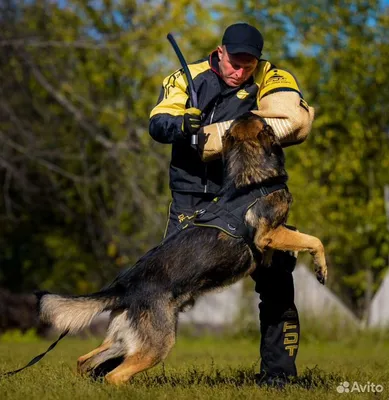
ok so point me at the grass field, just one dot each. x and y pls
(199, 368)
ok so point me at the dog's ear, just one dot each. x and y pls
(227, 140)
(267, 139)
(227, 134)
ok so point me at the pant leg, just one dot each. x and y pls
(280, 328)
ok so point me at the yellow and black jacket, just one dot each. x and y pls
(218, 102)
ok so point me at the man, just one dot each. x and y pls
(228, 83)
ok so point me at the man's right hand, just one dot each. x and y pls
(192, 121)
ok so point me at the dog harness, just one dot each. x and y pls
(228, 211)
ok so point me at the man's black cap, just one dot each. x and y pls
(243, 38)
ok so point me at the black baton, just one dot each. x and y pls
(192, 93)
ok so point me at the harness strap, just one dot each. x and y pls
(37, 358)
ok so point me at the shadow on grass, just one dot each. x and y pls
(309, 379)
(317, 378)
(103, 369)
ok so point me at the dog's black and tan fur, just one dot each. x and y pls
(145, 300)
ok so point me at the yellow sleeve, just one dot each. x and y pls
(174, 98)
(174, 95)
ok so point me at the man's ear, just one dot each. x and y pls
(219, 52)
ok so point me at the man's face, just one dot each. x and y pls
(235, 68)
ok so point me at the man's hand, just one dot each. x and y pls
(192, 121)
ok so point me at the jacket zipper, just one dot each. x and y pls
(213, 111)
(210, 122)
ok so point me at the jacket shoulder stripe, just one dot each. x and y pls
(197, 69)
(174, 90)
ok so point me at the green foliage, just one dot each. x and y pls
(16, 336)
(85, 189)
(338, 176)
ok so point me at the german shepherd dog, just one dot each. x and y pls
(145, 300)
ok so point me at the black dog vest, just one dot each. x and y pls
(228, 211)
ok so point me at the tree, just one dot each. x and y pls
(337, 177)
(85, 187)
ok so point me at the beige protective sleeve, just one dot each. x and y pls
(288, 114)
(285, 111)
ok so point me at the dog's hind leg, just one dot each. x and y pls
(129, 367)
(102, 363)
(149, 356)
(285, 239)
(83, 362)
(148, 341)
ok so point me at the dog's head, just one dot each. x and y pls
(252, 150)
(250, 127)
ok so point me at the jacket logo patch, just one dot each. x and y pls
(242, 94)
(278, 79)
(171, 82)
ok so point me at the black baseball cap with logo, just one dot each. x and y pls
(243, 38)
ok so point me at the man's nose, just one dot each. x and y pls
(239, 72)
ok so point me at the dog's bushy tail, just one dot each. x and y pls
(74, 313)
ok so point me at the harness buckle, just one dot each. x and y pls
(231, 227)
(200, 212)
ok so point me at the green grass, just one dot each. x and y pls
(198, 368)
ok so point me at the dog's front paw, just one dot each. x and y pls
(321, 274)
